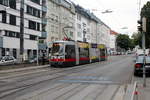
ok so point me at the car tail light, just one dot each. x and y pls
(138, 65)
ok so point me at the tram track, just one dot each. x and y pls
(58, 75)
(25, 86)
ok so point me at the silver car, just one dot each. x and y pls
(138, 67)
(7, 60)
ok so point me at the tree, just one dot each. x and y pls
(137, 39)
(123, 41)
(145, 12)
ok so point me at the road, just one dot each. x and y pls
(97, 81)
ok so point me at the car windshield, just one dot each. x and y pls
(57, 49)
(140, 59)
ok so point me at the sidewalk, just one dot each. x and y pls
(20, 67)
(144, 92)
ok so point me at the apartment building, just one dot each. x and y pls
(113, 36)
(10, 27)
(94, 28)
(61, 20)
(82, 25)
(104, 34)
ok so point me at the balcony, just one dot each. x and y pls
(44, 8)
(42, 46)
(43, 35)
(44, 21)
(1, 42)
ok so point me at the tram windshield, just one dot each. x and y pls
(57, 49)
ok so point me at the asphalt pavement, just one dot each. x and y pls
(97, 81)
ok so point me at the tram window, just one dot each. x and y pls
(57, 49)
(49, 50)
(84, 52)
(70, 51)
(102, 52)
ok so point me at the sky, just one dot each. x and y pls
(125, 13)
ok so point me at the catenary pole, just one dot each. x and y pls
(22, 31)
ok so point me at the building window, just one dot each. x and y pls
(33, 37)
(33, 11)
(32, 25)
(36, 1)
(4, 2)
(79, 26)
(52, 28)
(4, 17)
(79, 17)
(12, 34)
(12, 4)
(29, 9)
(41, 41)
(3, 51)
(15, 53)
(12, 19)
(38, 26)
(79, 34)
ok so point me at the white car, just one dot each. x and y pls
(7, 60)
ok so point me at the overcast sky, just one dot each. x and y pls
(125, 13)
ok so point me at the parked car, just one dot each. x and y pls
(7, 60)
(138, 67)
(34, 59)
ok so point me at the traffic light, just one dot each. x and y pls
(140, 29)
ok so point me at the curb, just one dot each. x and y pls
(22, 69)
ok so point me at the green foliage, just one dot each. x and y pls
(145, 12)
(123, 41)
(137, 39)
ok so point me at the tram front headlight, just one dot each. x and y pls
(61, 57)
(53, 57)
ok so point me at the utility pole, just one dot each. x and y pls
(22, 31)
(143, 45)
(144, 60)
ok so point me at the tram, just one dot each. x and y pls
(71, 53)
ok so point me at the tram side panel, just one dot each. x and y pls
(103, 52)
(83, 49)
(77, 53)
(94, 53)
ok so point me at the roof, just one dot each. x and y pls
(113, 32)
(81, 11)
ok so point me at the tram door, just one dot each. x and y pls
(70, 55)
